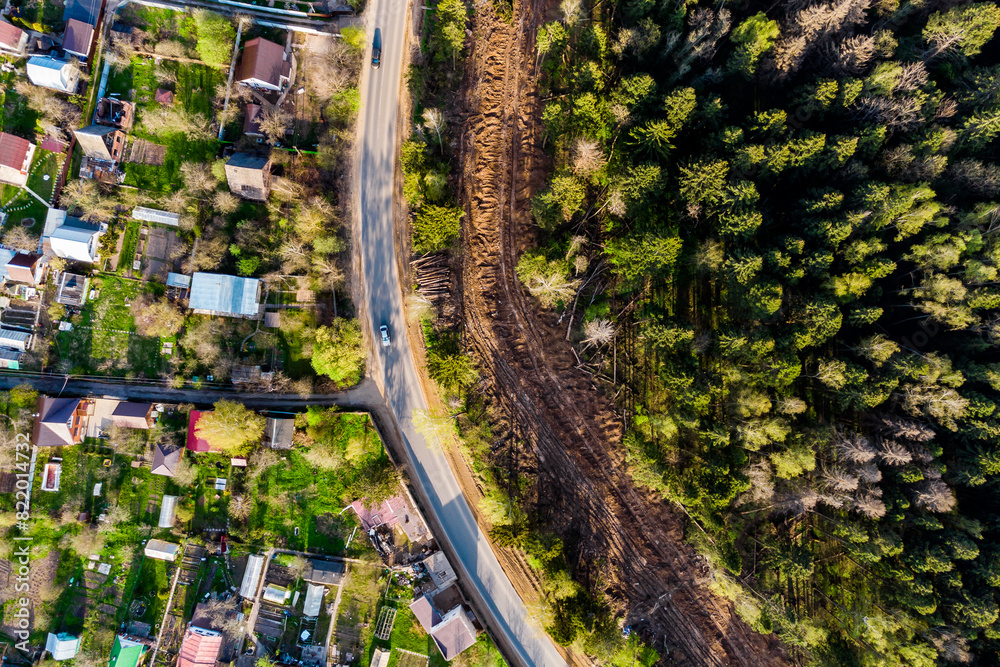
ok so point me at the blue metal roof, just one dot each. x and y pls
(229, 295)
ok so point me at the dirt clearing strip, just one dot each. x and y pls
(627, 541)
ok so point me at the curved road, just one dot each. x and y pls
(394, 368)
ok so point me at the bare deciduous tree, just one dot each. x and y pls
(893, 453)
(854, 448)
(839, 479)
(434, 120)
(198, 178)
(934, 496)
(121, 51)
(598, 331)
(20, 238)
(240, 507)
(274, 124)
(587, 156)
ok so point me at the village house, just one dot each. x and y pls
(166, 458)
(26, 268)
(15, 159)
(200, 647)
(77, 38)
(59, 421)
(13, 40)
(71, 238)
(264, 65)
(249, 176)
(49, 72)
(101, 142)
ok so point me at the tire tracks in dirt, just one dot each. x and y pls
(629, 541)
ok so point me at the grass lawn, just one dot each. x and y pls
(105, 340)
(129, 245)
(297, 494)
(46, 164)
(167, 178)
(19, 205)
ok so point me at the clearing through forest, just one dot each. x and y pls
(622, 535)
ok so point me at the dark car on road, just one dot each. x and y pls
(377, 49)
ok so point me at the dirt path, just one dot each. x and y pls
(622, 538)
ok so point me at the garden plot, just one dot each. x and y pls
(163, 252)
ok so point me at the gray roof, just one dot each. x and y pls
(226, 295)
(248, 161)
(325, 572)
(178, 280)
(10, 355)
(313, 601)
(10, 335)
(156, 215)
(165, 459)
(93, 139)
(75, 229)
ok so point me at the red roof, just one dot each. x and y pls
(13, 151)
(263, 60)
(53, 145)
(10, 35)
(200, 648)
(194, 443)
(164, 96)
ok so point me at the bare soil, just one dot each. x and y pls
(621, 540)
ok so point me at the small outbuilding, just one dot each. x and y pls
(228, 296)
(15, 340)
(162, 550)
(168, 512)
(166, 458)
(62, 646)
(251, 576)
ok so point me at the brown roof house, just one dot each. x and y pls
(101, 142)
(251, 124)
(453, 632)
(77, 38)
(26, 268)
(200, 647)
(264, 65)
(15, 159)
(59, 421)
(13, 40)
(165, 459)
(249, 176)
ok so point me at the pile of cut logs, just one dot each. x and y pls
(433, 276)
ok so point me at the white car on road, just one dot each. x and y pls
(384, 331)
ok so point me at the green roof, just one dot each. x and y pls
(126, 653)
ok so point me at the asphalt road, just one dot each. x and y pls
(394, 368)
